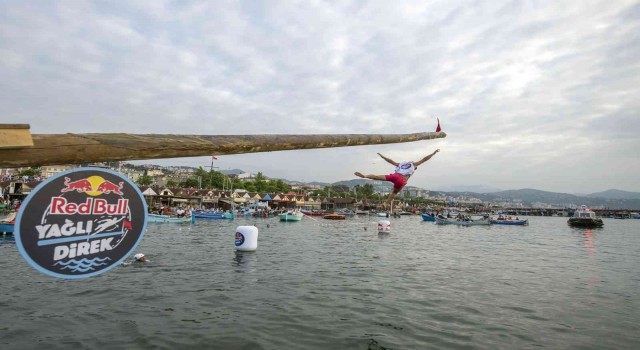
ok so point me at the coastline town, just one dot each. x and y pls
(171, 190)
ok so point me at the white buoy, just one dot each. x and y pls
(246, 238)
(384, 226)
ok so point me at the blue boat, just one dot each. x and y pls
(461, 222)
(510, 222)
(167, 218)
(429, 218)
(7, 223)
(6, 227)
(211, 215)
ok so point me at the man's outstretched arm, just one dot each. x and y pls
(426, 158)
(388, 160)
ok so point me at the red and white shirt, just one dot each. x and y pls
(405, 168)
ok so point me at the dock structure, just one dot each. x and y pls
(53, 149)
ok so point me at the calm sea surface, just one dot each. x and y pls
(319, 284)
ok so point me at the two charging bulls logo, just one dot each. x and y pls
(81, 223)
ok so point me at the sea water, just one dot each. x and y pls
(321, 284)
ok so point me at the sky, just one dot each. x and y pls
(531, 94)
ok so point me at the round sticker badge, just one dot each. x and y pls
(80, 223)
(239, 239)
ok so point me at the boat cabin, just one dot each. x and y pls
(585, 213)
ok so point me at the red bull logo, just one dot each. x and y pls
(384, 226)
(93, 186)
(81, 223)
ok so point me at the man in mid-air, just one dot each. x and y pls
(400, 176)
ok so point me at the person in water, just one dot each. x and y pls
(399, 178)
(138, 258)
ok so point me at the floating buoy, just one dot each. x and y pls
(384, 226)
(246, 238)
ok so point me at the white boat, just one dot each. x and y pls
(291, 215)
(585, 217)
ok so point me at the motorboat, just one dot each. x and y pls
(462, 221)
(212, 215)
(291, 215)
(585, 217)
(167, 218)
(335, 216)
(430, 217)
(509, 221)
(7, 223)
(346, 212)
(313, 212)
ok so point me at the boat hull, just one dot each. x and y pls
(6, 228)
(440, 221)
(585, 222)
(510, 222)
(428, 218)
(200, 215)
(290, 217)
(335, 217)
(166, 218)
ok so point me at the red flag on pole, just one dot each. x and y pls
(213, 157)
(438, 127)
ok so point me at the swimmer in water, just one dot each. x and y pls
(138, 258)
(399, 178)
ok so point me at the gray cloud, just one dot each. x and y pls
(540, 95)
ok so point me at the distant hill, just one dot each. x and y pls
(615, 194)
(470, 188)
(529, 196)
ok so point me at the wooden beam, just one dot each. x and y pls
(57, 149)
(15, 136)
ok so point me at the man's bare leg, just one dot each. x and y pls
(388, 203)
(372, 177)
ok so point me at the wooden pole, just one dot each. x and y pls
(59, 149)
(15, 136)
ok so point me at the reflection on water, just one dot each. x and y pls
(244, 261)
(383, 235)
(7, 239)
(588, 241)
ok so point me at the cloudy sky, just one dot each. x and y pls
(532, 94)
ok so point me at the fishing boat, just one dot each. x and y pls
(212, 215)
(505, 221)
(167, 218)
(313, 212)
(291, 215)
(346, 212)
(334, 216)
(634, 215)
(462, 222)
(584, 217)
(428, 217)
(383, 214)
(362, 212)
(7, 223)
